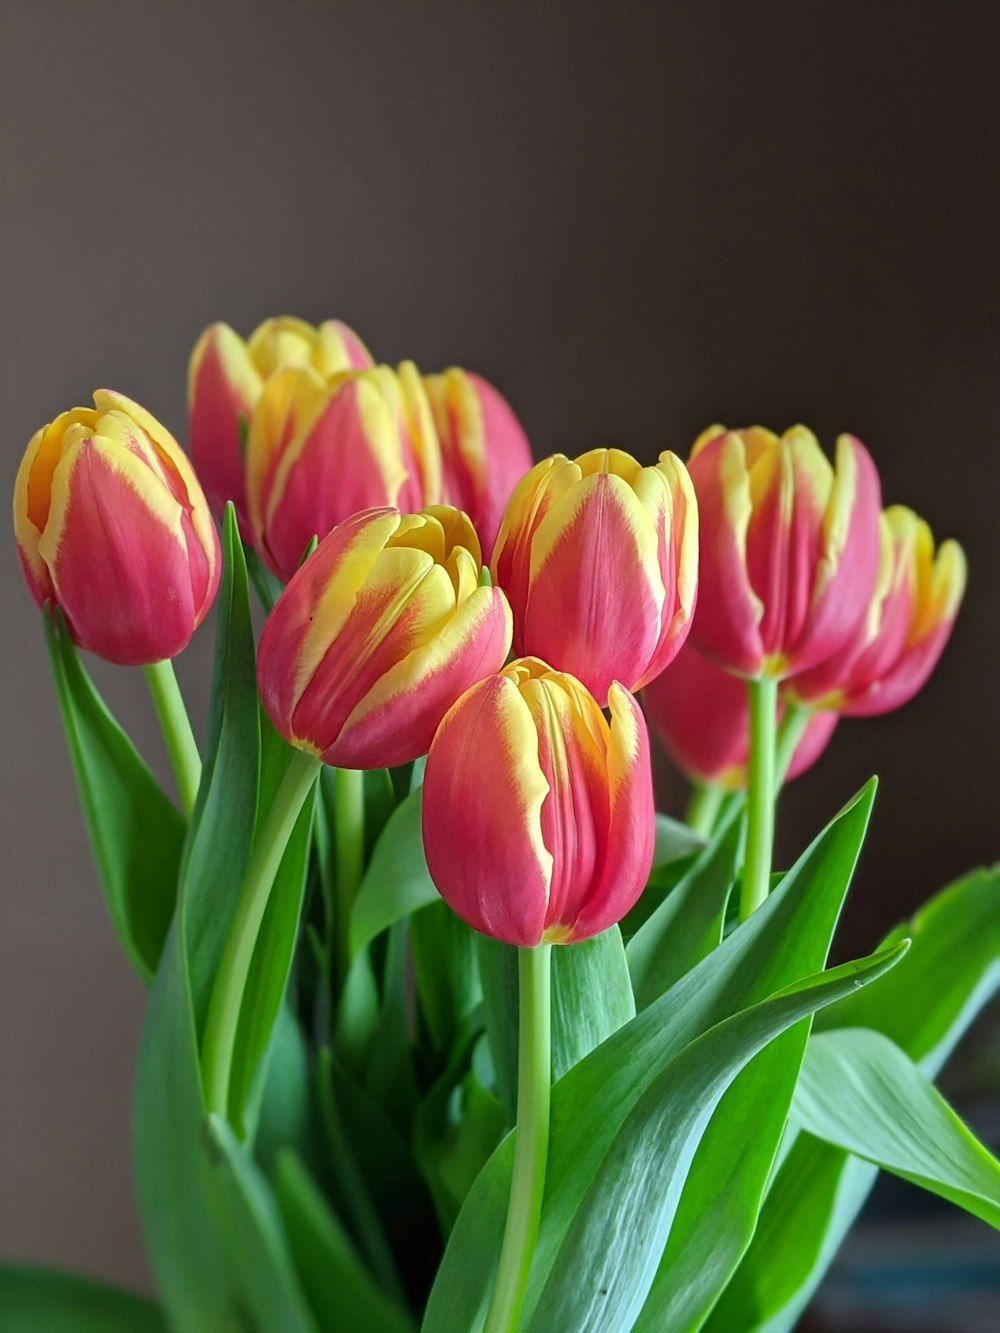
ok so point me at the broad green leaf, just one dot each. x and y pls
(249, 1226)
(858, 1091)
(673, 841)
(592, 1100)
(609, 1254)
(135, 833)
(457, 1127)
(175, 1188)
(339, 1288)
(925, 1006)
(734, 1160)
(591, 999)
(272, 957)
(445, 971)
(397, 882)
(286, 1118)
(44, 1300)
(688, 924)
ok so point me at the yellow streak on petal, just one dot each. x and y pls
(615, 462)
(537, 490)
(285, 413)
(709, 434)
(240, 370)
(737, 506)
(419, 423)
(332, 353)
(938, 581)
(337, 600)
(281, 342)
(842, 497)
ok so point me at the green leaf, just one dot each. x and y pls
(591, 1102)
(397, 882)
(175, 1187)
(673, 841)
(688, 924)
(858, 1091)
(591, 999)
(135, 833)
(249, 1226)
(728, 1178)
(445, 972)
(341, 1292)
(608, 1257)
(272, 956)
(43, 1300)
(952, 969)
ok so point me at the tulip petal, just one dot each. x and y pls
(533, 496)
(575, 615)
(487, 856)
(628, 849)
(396, 718)
(223, 386)
(727, 626)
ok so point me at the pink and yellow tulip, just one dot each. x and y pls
(225, 379)
(377, 634)
(909, 620)
(789, 548)
(113, 528)
(698, 713)
(538, 812)
(599, 557)
(322, 449)
(484, 450)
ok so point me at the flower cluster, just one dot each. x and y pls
(390, 629)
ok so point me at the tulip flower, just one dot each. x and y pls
(484, 451)
(112, 527)
(910, 618)
(320, 450)
(699, 714)
(377, 634)
(789, 548)
(599, 557)
(225, 379)
(537, 811)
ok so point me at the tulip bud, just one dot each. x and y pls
(698, 713)
(225, 378)
(789, 548)
(484, 451)
(320, 450)
(377, 634)
(112, 526)
(538, 812)
(599, 557)
(908, 623)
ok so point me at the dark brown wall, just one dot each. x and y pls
(636, 217)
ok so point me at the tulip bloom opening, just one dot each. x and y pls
(699, 714)
(226, 377)
(909, 621)
(484, 450)
(322, 449)
(789, 548)
(379, 632)
(538, 811)
(113, 528)
(599, 557)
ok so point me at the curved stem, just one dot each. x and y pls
(237, 954)
(531, 1145)
(703, 808)
(790, 731)
(349, 843)
(762, 697)
(182, 748)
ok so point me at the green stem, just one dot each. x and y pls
(349, 842)
(703, 808)
(182, 748)
(763, 698)
(790, 731)
(234, 966)
(531, 1145)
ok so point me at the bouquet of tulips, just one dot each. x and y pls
(447, 1027)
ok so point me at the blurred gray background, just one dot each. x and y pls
(636, 218)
